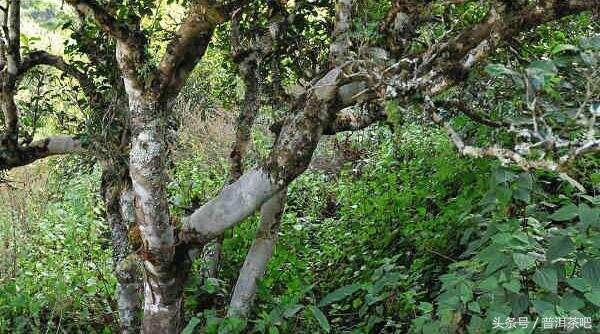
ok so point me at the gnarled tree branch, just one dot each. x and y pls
(24, 155)
(510, 156)
(131, 42)
(40, 57)
(188, 45)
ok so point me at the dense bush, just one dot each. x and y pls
(55, 256)
(407, 236)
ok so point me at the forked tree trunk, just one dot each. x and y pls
(258, 257)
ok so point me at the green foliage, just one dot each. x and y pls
(523, 259)
(56, 268)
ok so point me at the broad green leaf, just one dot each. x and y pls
(571, 303)
(591, 42)
(499, 261)
(589, 57)
(339, 294)
(593, 297)
(321, 318)
(542, 306)
(579, 284)
(431, 328)
(567, 212)
(524, 261)
(594, 200)
(545, 66)
(489, 284)
(519, 303)
(189, 329)
(512, 286)
(465, 292)
(449, 300)
(559, 247)
(546, 278)
(540, 72)
(587, 215)
(525, 181)
(522, 194)
(591, 272)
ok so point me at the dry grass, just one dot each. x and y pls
(209, 133)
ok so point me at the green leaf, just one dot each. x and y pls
(591, 42)
(565, 213)
(512, 286)
(546, 278)
(465, 292)
(540, 72)
(489, 284)
(292, 310)
(542, 306)
(449, 301)
(593, 297)
(588, 216)
(189, 329)
(545, 66)
(591, 272)
(559, 247)
(499, 261)
(340, 294)
(525, 181)
(564, 47)
(426, 307)
(519, 303)
(498, 70)
(594, 200)
(321, 318)
(522, 194)
(524, 261)
(589, 57)
(579, 284)
(474, 307)
(571, 303)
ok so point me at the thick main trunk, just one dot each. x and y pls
(257, 258)
(163, 281)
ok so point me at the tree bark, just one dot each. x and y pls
(118, 197)
(258, 257)
(211, 257)
(13, 155)
(163, 279)
(128, 271)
